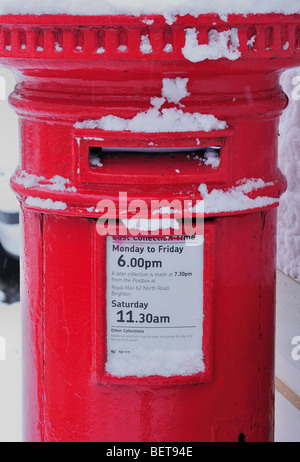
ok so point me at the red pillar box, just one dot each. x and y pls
(162, 330)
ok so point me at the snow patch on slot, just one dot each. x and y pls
(155, 121)
(145, 45)
(160, 120)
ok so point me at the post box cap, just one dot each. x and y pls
(238, 40)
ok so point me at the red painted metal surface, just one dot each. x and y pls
(62, 80)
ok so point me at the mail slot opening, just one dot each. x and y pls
(153, 160)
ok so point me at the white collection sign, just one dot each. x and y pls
(154, 306)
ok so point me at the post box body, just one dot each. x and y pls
(66, 398)
(68, 393)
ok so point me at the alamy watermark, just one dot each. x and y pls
(159, 217)
(296, 89)
(296, 349)
(2, 349)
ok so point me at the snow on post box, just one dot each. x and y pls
(148, 182)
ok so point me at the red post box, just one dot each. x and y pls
(137, 330)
